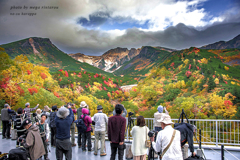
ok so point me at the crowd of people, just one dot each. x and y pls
(34, 132)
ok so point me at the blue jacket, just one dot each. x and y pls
(63, 126)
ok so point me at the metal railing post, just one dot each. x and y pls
(216, 133)
(222, 152)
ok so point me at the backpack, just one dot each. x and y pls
(81, 125)
(52, 119)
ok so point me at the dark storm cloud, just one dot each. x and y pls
(95, 20)
(71, 37)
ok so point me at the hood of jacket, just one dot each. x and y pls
(33, 128)
(85, 111)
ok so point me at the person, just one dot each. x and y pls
(116, 131)
(140, 135)
(187, 131)
(86, 136)
(28, 109)
(46, 111)
(33, 142)
(53, 126)
(163, 139)
(100, 120)
(157, 116)
(83, 104)
(45, 133)
(19, 119)
(72, 129)
(5, 117)
(63, 122)
(124, 114)
(38, 114)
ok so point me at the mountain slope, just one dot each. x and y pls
(110, 60)
(140, 65)
(234, 43)
(43, 52)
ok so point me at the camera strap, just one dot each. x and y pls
(165, 150)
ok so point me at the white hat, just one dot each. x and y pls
(63, 112)
(166, 119)
(83, 104)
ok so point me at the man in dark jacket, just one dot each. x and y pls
(63, 122)
(53, 126)
(116, 131)
(5, 117)
(187, 131)
(19, 119)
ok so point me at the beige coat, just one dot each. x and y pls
(34, 143)
(158, 116)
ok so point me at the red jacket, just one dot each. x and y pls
(87, 120)
(116, 128)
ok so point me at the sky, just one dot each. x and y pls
(93, 27)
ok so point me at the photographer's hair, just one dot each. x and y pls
(44, 115)
(140, 121)
(20, 111)
(119, 108)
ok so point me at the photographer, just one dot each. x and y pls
(157, 116)
(44, 132)
(100, 120)
(168, 141)
(5, 117)
(63, 122)
(86, 136)
(124, 114)
(19, 119)
(116, 131)
(140, 135)
(53, 126)
(28, 109)
(33, 142)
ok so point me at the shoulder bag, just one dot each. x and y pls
(147, 142)
(165, 150)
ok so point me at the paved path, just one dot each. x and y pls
(6, 145)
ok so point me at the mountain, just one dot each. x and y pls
(110, 60)
(234, 43)
(43, 52)
(148, 58)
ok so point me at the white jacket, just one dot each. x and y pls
(139, 134)
(174, 152)
(100, 120)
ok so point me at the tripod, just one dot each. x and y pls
(129, 126)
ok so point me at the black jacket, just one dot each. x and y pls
(186, 131)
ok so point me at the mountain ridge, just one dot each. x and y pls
(233, 43)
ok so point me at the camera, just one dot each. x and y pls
(22, 138)
(152, 133)
(130, 114)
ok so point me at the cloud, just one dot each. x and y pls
(76, 25)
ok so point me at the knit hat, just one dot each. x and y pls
(99, 107)
(38, 111)
(83, 104)
(63, 112)
(27, 104)
(6, 105)
(160, 109)
(46, 109)
(166, 119)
